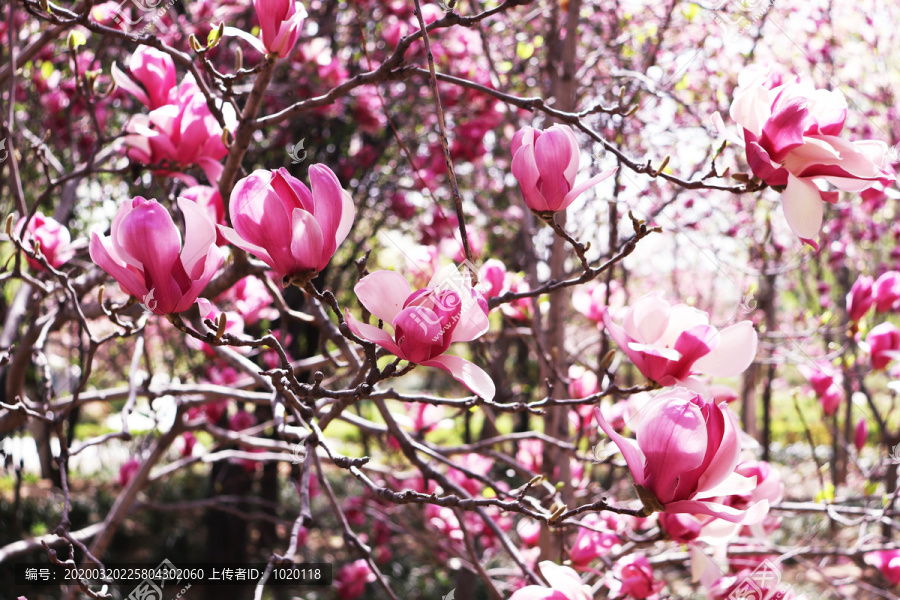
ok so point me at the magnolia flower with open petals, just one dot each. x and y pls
(180, 133)
(565, 584)
(545, 163)
(426, 322)
(668, 343)
(791, 135)
(687, 450)
(144, 253)
(290, 228)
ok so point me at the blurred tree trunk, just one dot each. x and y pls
(561, 68)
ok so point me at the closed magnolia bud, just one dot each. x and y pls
(861, 434)
(545, 163)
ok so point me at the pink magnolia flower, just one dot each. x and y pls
(826, 383)
(593, 541)
(686, 453)
(769, 488)
(545, 163)
(290, 228)
(668, 343)
(234, 325)
(860, 298)
(681, 528)
(886, 561)
(251, 300)
(883, 341)
(565, 584)
(523, 308)
(426, 322)
(351, 579)
(279, 24)
(152, 76)
(181, 133)
(632, 576)
(53, 237)
(583, 382)
(860, 434)
(144, 253)
(886, 291)
(127, 471)
(791, 135)
(592, 303)
(492, 278)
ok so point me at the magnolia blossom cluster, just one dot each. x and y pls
(791, 132)
(180, 130)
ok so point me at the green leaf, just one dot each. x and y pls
(827, 494)
(524, 50)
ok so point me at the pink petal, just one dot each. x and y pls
(720, 511)
(465, 372)
(199, 237)
(307, 242)
(784, 130)
(214, 260)
(473, 321)
(103, 255)
(649, 319)
(803, 207)
(129, 85)
(329, 199)
(419, 333)
(373, 334)
(633, 456)
(524, 168)
(383, 293)
(348, 214)
(735, 352)
(585, 185)
(233, 238)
